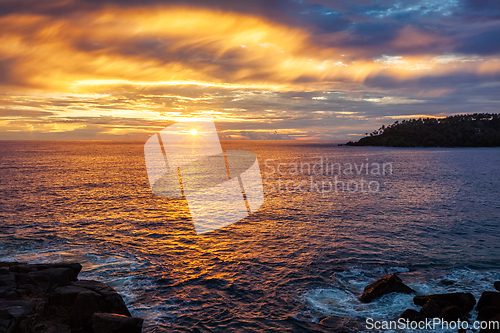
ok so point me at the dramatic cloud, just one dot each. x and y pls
(265, 69)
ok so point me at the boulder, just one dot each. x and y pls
(86, 304)
(412, 315)
(496, 285)
(489, 298)
(64, 298)
(487, 312)
(114, 302)
(114, 323)
(465, 301)
(48, 298)
(452, 313)
(388, 284)
(431, 309)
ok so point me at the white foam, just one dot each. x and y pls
(341, 299)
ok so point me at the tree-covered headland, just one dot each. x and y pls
(470, 130)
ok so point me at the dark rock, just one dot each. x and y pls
(60, 276)
(114, 323)
(496, 285)
(10, 263)
(451, 313)
(114, 302)
(86, 304)
(431, 309)
(388, 284)
(412, 315)
(493, 325)
(7, 283)
(489, 298)
(7, 321)
(48, 298)
(63, 298)
(75, 267)
(40, 281)
(487, 312)
(465, 301)
(16, 308)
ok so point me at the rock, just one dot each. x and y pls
(489, 298)
(465, 301)
(487, 312)
(388, 284)
(60, 276)
(494, 325)
(451, 313)
(86, 304)
(412, 315)
(496, 285)
(7, 321)
(113, 323)
(48, 298)
(40, 281)
(431, 309)
(114, 302)
(16, 308)
(7, 283)
(63, 298)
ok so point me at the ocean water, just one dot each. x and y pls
(432, 214)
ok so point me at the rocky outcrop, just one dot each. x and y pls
(412, 315)
(465, 301)
(49, 298)
(388, 284)
(448, 307)
(455, 306)
(488, 309)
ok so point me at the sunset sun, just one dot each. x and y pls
(193, 132)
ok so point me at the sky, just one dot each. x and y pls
(264, 69)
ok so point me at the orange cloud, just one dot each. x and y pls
(183, 45)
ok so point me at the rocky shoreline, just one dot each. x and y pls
(450, 307)
(49, 298)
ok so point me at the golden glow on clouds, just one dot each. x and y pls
(118, 63)
(98, 48)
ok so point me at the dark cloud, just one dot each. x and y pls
(486, 43)
(373, 33)
(482, 9)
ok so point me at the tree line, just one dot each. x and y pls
(469, 130)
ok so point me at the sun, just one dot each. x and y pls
(194, 132)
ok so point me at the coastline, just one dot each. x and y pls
(50, 298)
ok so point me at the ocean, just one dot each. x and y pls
(334, 219)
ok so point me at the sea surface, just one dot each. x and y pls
(308, 252)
